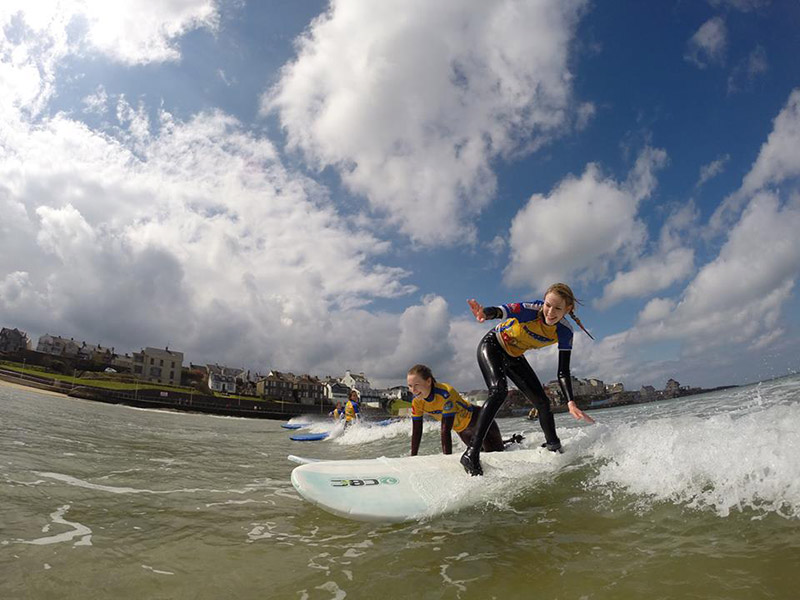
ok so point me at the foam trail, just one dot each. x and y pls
(723, 461)
(362, 433)
(79, 530)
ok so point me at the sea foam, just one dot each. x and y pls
(733, 460)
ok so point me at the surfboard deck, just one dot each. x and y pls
(301, 460)
(419, 487)
(309, 437)
(295, 425)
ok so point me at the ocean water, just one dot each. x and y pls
(691, 498)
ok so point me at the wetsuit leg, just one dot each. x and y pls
(493, 442)
(523, 376)
(492, 361)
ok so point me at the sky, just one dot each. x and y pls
(320, 186)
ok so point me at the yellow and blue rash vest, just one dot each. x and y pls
(443, 400)
(523, 328)
(351, 411)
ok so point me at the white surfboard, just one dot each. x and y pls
(419, 487)
(302, 460)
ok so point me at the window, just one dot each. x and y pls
(161, 363)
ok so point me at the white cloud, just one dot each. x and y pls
(583, 226)
(712, 169)
(191, 234)
(36, 36)
(97, 102)
(412, 101)
(707, 45)
(744, 74)
(650, 275)
(671, 262)
(736, 299)
(778, 161)
(741, 5)
(142, 31)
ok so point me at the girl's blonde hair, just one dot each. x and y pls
(565, 292)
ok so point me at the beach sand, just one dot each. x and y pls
(4, 383)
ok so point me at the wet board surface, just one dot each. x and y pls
(309, 437)
(416, 487)
(295, 425)
(301, 460)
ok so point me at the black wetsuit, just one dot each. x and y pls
(496, 366)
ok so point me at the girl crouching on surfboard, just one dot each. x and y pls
(443, 402)
(525, 325)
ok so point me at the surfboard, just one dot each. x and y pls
(301, 460)
(309, 437)
(417, 487)
(295, 425)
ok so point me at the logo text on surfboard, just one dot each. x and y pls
(338, 482)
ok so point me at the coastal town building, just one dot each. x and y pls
(122, 363)
(335, 390)
(672, 389)
(276, 385)
(223, 379)
(288, 387)
(160, 366)
(358, 381)
(14, 340)
(218, 382)
(309, 389)
(58, 346)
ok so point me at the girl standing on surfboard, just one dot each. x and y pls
(525, 325)
(443, 402)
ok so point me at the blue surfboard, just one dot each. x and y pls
(309, 437)
(295, 425)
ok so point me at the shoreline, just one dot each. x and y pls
(153, 399)
(19, 386)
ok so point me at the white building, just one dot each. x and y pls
(161, 366)
(58, 346)
(358, 381)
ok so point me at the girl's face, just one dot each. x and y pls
(419, 386)
(554, 309)
(353, 396)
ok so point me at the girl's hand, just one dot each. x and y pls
(477, 309)
(578, 413)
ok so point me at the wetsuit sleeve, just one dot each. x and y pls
(447, 440)
(564, 376)
(492, 312)
(416, 435)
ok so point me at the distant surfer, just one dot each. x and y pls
(525, 325)
(338, 412)
(351, 411)
(443, 402)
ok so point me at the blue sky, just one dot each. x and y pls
(316, 187)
